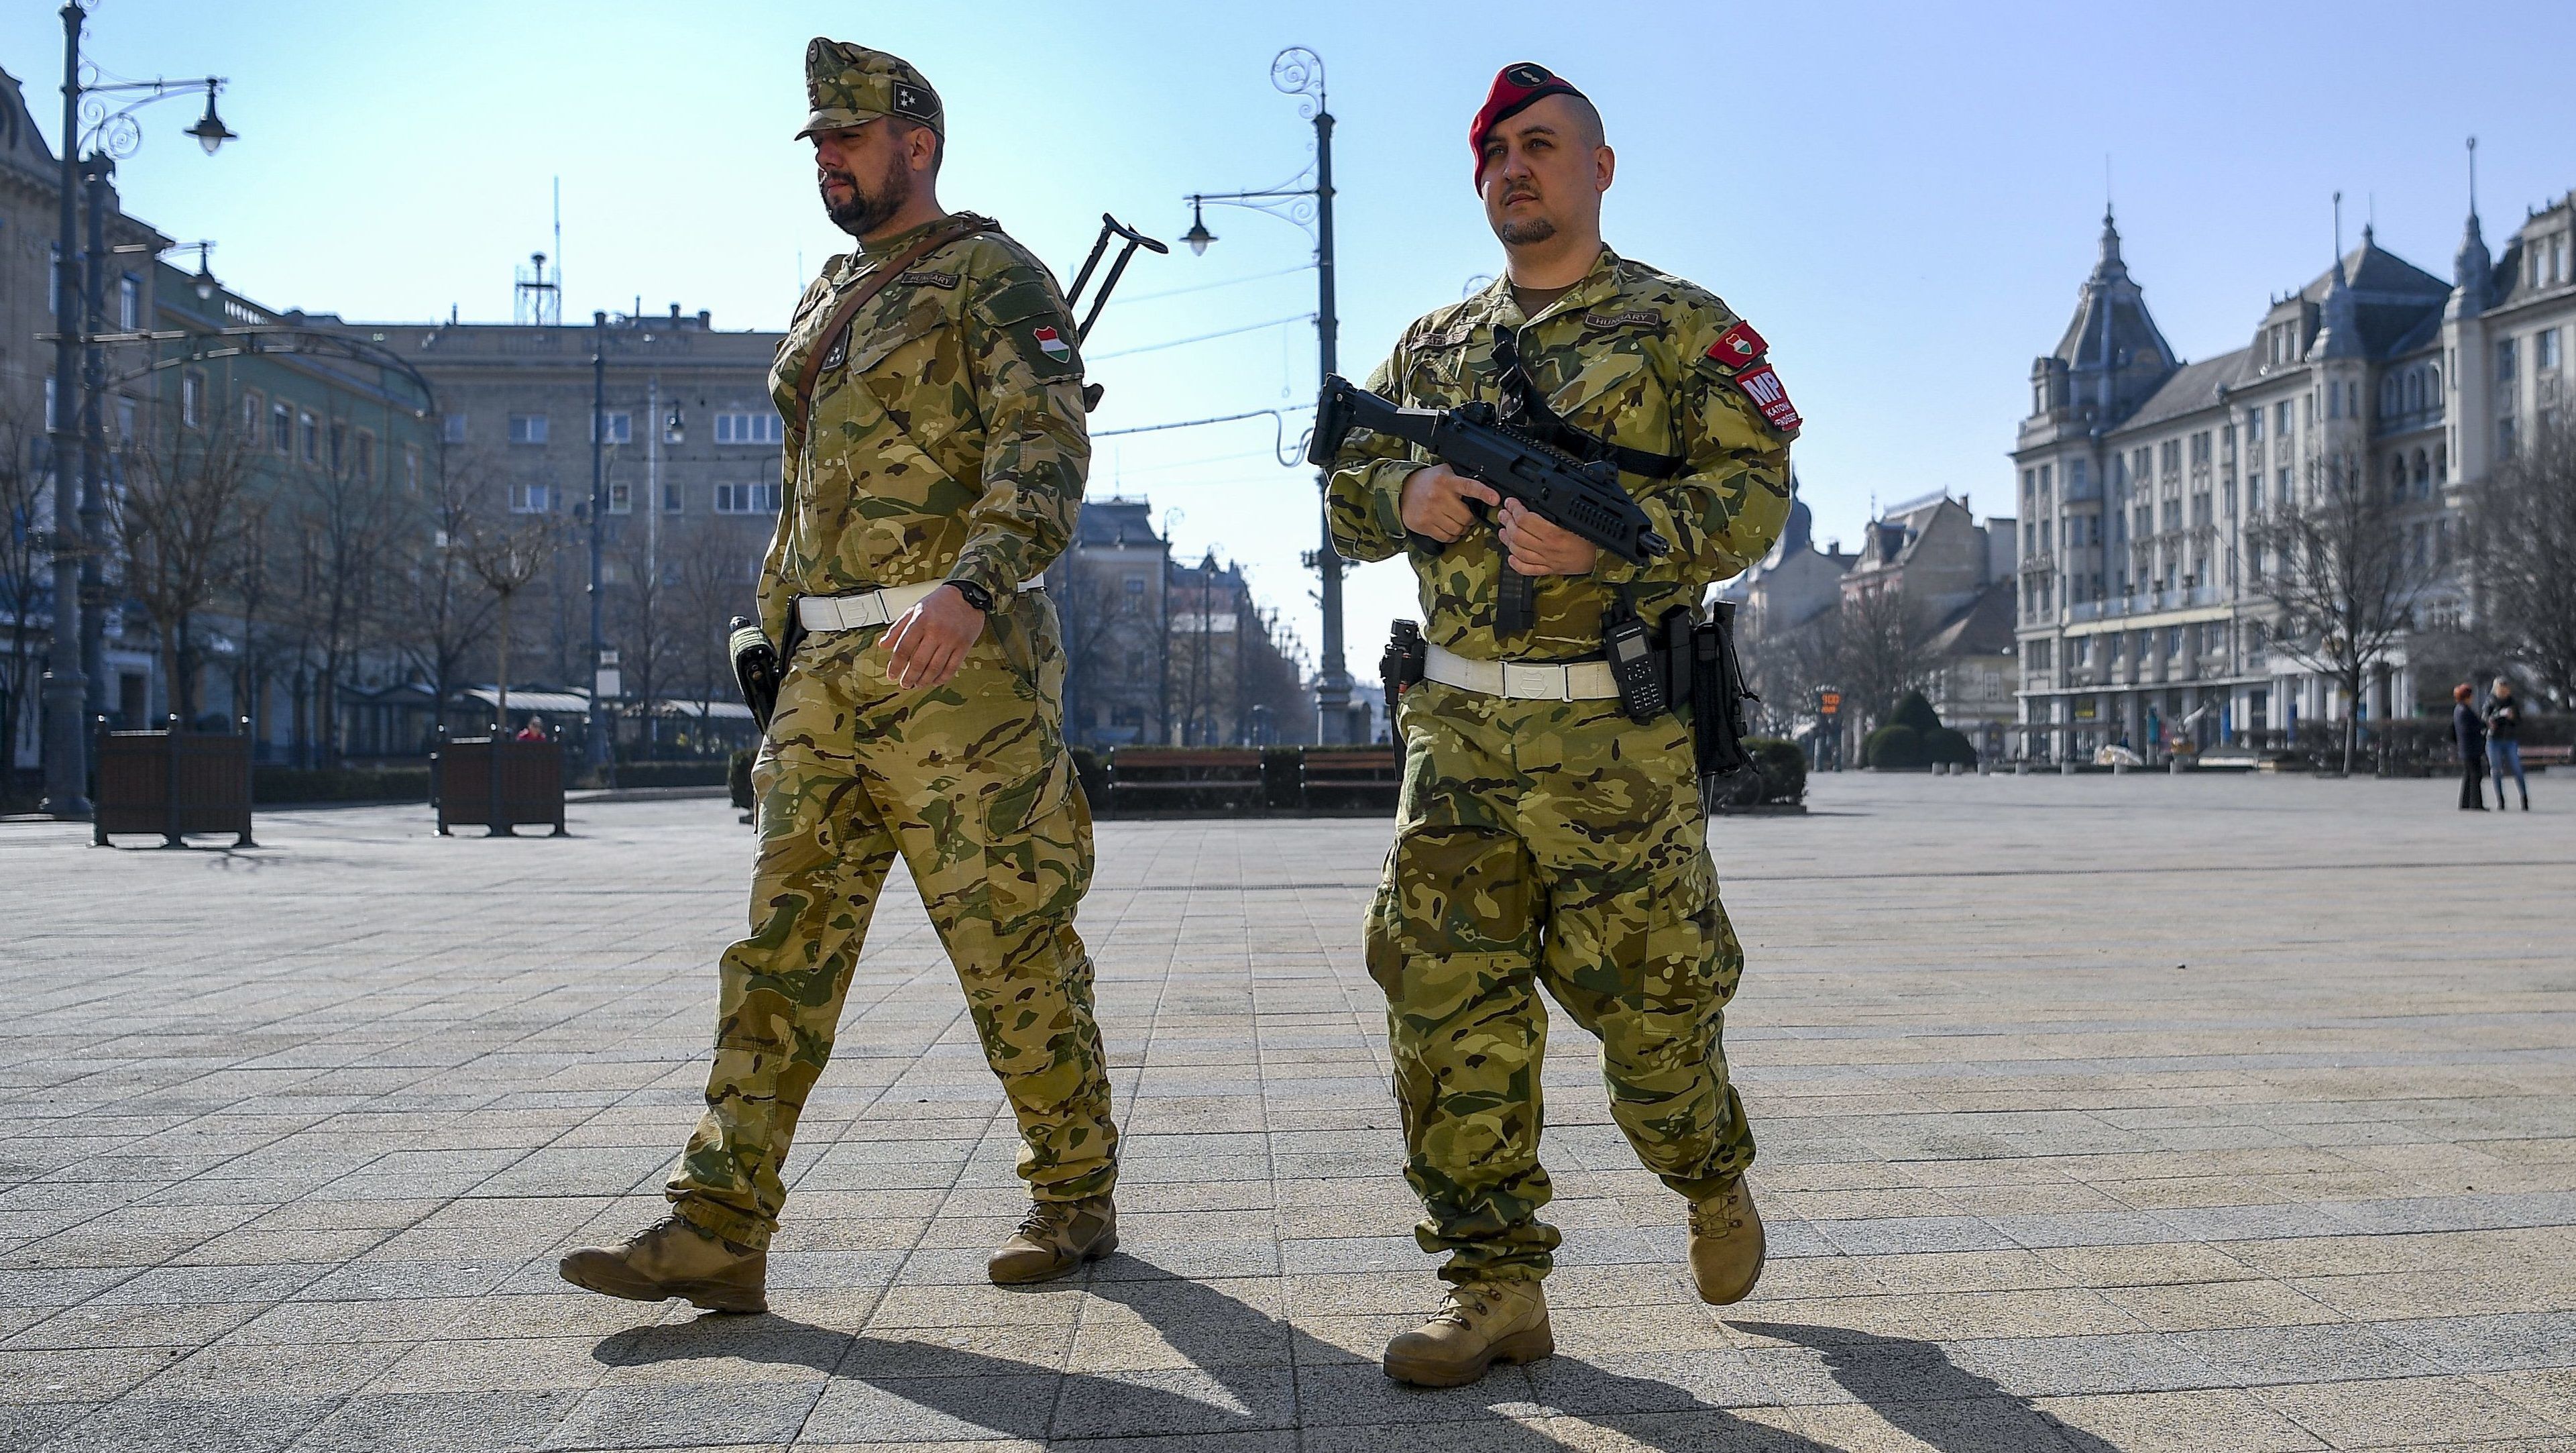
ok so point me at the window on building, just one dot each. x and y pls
(527, 428)
(451, 429)
(411, 469)
(670, 499)
(2505, 440)
(531, 499)
(620, 428)
(2075, 477)
(310, 430)
(125, 421)
(2200, 449)
(2281, 419)
(192, 398)
(2544, 350)
(753, 428)
(2505, 355)
(54, 278)
(252, 408)
(2029, 482)
(339, 446)
(129, 302)
(621, 497)
(281, 429)
(746, 499)
(366, 455)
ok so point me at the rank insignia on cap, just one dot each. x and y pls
(1762, 385)
(1737, 346)
(1052, 344)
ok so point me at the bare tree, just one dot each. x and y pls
(1787, 668)
(451, 609)
(644, 632)
(2522, 534)
(1884, 651)
(23, 559)
(505, 559)
(2336, 565)
(252, 583)
(712, 582)
(174, 525)
(349, 520)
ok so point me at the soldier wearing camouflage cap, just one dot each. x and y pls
(1545, 836)
(934, 462)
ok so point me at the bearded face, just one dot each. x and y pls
(868, 189)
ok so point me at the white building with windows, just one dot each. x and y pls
(2138, 609)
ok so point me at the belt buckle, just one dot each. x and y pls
(1531, 682)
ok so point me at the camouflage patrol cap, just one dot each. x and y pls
(848, 84)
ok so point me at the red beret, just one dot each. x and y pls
(1515, 87)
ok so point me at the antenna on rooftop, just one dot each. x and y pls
(537, 299)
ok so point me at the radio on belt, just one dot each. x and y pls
(1640, 678)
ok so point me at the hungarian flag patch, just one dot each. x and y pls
(1762, 385)
(1052, 344)
(1737, 347)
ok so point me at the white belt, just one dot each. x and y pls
(1521, 680)
(872, 607)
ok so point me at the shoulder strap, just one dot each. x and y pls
(964, 224)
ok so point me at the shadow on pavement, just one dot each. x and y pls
(1920, 1391)
(1249, 1371)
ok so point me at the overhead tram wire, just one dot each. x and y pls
(1202, 337)
(1208, 287)
(1280, 449)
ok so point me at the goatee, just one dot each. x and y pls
(864, 211)
(1522, 233)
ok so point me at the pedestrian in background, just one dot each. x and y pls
(2504, 742)
(534, 731)
(2471, 733)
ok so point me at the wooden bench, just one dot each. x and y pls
(1348, 778)
(1152, 779)
(2540, 757)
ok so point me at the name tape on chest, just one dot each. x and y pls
(1633, 318)
(920, 279)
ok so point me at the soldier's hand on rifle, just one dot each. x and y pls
(1436, 502)
(926, 644)
(1535, 547)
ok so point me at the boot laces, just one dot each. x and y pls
(1046, 1218)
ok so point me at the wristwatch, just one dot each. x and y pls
(976, 595)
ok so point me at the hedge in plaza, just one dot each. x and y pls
(339, 784)
(712, 772)
(1894, 745)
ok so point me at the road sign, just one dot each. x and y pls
(1829, 703)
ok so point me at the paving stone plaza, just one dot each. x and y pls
(2096, 1113)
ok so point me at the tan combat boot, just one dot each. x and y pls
(1726, 1244)
(672, 1258)
(1057, 1237)
(1478, 1325)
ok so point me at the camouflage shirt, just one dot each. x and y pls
(1624, 355)
(948, 439)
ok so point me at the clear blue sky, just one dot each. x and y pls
(1902, 197)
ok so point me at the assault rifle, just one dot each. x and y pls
(1584, 498)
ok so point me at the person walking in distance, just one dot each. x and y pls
(934, 463)
(2504, 741)
(1544, 835)
(2470, 732)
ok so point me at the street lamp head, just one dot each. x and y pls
(210, 130)
(1198, 237)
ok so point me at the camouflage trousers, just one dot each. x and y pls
(970, 785)
(1554, 843)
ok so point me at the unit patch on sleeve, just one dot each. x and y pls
(1762, 385)
(1051, 343)
(1737, 347)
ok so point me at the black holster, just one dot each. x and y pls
(1705, 671)
(1406, 657)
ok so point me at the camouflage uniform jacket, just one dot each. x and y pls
(1624, 355)
(948, 439)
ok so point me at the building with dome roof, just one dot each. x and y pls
(2138, 609)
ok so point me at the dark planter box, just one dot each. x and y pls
(526, 789)
(172, 783)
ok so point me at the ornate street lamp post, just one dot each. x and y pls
(1299, 72)
(74, 676)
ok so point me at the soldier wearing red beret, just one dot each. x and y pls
(1545, 837)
